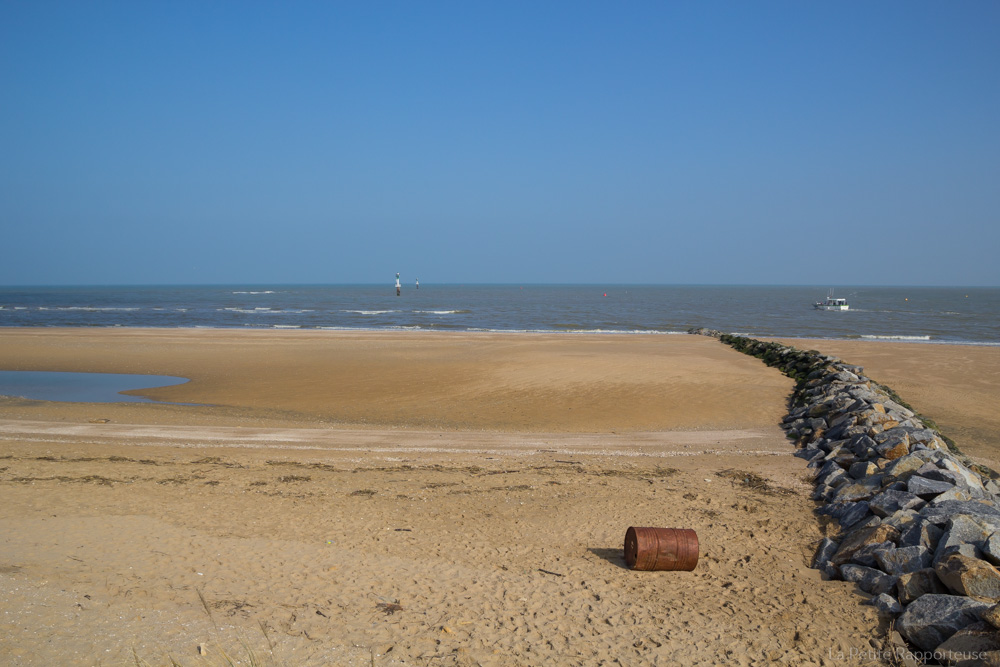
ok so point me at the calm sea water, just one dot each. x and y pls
(919, 314)
(81, 387)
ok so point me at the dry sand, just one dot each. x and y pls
(424, 499)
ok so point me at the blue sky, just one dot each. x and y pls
(836, 143)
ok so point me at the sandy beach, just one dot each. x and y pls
(387, 498)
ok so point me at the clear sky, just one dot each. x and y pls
(833, 143)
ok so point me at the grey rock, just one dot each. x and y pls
(856, 431)
(835, 510)
(855, 573)
(894, 447)
(969, 576)
(902, 519)
(842, 430)
(869, 579)
(992, 616)
(942, 512)
(954, 494)
(820, 409)
(962, 530)
(822, 492)
(871, 521)
(931, 619)
(891, 436)
(912, 585)
(861, 489)
(921, 533)
(903, 560)
(845, 420)
(927, 488)
(920, 433)
(828, 468)
(861, 444)
(825, 551)
(828, 569)
(926, 468)
(835, 478)
(891, 501)
(972, 479)
(824, 444)
(942, 475)
(844, 457)
(905, 466)
(861, 469)
(967, 646)
(810, 454)
(868, 554)
(840, 376)
(887, 605)
(893, 406)
(796, 424)
(794, 413)
(865, 394)
(856, 513)
(859, 538)
(991, 549)
(968, 550)
(817, 424)
(833, 445)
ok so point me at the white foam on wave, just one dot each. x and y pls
(629, 332)
(899, 338)
(260, 292)
(248, 311)
(90, 309)
(369, 312)
(261, 310)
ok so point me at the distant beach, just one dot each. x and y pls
(384, 497)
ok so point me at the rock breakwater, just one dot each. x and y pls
(917, 523)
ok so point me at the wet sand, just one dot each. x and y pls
(411, 498)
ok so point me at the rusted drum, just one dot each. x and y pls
(661, 548)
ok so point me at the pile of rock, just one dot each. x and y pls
(919, 527)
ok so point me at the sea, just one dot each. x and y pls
(954, 315)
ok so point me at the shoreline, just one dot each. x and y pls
(889, 339)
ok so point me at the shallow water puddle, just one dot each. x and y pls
(81, 387)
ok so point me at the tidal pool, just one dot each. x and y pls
(81, 387)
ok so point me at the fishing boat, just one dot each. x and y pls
(831, 303)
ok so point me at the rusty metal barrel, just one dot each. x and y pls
(661, 548)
